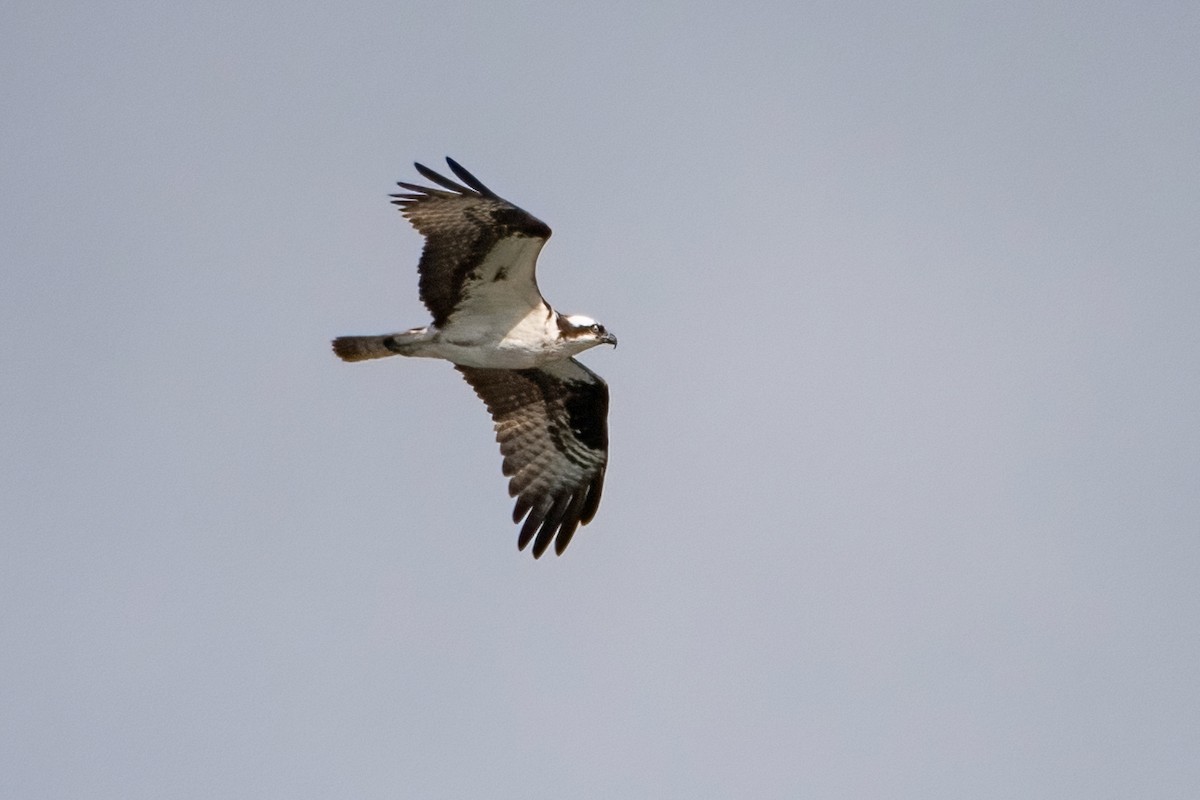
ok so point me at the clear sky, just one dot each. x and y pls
(904, 499)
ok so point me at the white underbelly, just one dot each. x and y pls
(490, 356)
(490, 344)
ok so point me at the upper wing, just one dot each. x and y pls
(480, 250)
(552, 426)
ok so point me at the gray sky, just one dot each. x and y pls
(903, 499)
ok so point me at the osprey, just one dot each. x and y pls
(477, 278)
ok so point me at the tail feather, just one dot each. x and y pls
(362, 348)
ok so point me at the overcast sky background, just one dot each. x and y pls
(904, 498)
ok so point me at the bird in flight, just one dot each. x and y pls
(477, 278)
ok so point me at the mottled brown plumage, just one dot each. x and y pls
(550, 426)
(461, 227)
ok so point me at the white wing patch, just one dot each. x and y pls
(502, 290)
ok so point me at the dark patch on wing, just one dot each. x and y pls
(461, 225)
(586, 407)
(513, 220)
(553, 434)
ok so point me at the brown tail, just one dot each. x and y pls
(363, 348)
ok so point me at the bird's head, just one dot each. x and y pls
(583, 332)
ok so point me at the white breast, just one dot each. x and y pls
(494, 342)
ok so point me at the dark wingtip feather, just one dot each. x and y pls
(469, 179)
(418, 189)
(440, 180)
(537, 516)
(545, 536)
(592, 504)
(569, 520)
(552, 523)
(527, 530)
(564, 535)
(521, 509)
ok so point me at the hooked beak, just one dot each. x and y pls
(608, 338)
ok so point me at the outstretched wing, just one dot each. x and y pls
(480, 250)
(552, 426)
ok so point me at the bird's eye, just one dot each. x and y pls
(598, 328)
